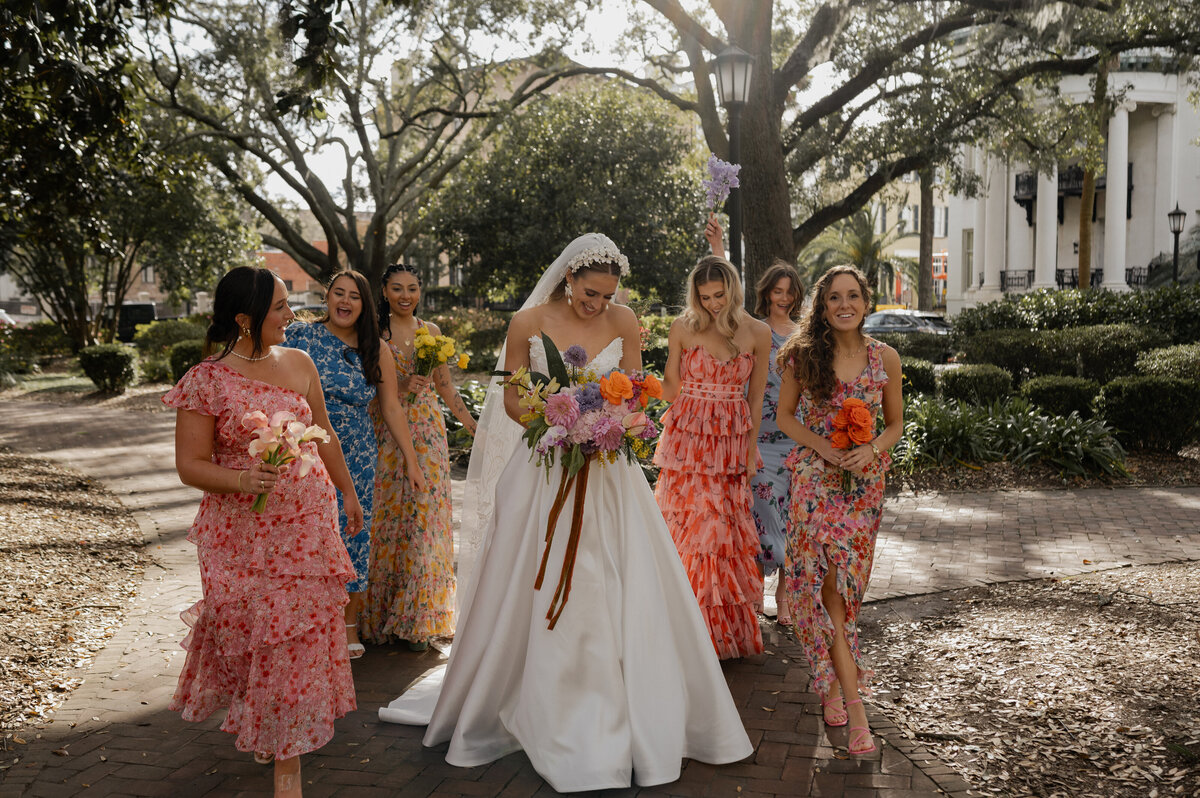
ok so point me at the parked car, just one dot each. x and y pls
(906, 321)
(130, 316)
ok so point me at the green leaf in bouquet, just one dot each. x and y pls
(555, 364)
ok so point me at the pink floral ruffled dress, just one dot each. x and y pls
(704, 495)
(831, 529)
(267, 640)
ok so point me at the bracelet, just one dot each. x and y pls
(875, 449)
(239, 481)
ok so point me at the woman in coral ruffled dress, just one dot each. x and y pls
(267, 639)
(715, 376)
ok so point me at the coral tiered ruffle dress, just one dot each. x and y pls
(705, 497)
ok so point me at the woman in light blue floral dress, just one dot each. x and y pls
(780, 297)
(345, 347)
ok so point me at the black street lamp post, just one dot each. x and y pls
(733, 87)
(1175, 219)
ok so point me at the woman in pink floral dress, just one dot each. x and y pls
(267, 639)
(837, 486)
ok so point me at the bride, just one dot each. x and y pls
(627, 683)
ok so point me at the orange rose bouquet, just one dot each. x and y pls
(854, 425)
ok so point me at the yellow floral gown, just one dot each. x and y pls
(410, 595)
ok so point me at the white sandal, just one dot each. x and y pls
(356, 649)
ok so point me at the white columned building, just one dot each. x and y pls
(1022, 231)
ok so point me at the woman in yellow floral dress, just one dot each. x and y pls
(410, 595)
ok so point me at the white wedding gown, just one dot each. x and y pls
(627, 683)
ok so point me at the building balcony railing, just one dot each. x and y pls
(1069, 278)
(1019, 280)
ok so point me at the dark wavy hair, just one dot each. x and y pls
(766, 284)
(384, 317)
(808, 352)
(245, 289)
(366, 328)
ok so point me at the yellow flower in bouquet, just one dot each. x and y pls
(431, 351)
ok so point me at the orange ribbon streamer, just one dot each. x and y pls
(568, 568)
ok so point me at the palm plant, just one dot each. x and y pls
(852, 241)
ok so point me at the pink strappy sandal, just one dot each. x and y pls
(859, 736)
(834, 711)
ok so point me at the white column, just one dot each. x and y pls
(997, 228)
(1045, 255)
(977, 253)
(1116, 198)
(1164, 177)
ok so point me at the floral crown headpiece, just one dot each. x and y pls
(604, 253)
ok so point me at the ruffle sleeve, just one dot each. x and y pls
(196, 391)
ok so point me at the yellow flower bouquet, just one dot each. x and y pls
(431, 351)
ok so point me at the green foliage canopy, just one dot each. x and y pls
(597, 159)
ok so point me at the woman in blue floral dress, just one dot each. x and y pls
(780, 297)
(345, 347)
(837, 484)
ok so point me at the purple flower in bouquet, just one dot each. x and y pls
(649, 432)
(561, 409)
(722, 176)
(608, 433)
(575, 356)
(552, 437)
(589, 397)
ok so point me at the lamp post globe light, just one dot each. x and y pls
(1175, 219)
(733, 68)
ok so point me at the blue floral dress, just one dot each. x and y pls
(347, 395)
(771, 485)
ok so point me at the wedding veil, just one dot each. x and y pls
(497, 435)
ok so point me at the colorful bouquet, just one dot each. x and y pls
(854, 425)
(431, 351)
(277, 441)
(574, 416)
(722, 176)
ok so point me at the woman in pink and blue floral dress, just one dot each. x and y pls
(837, 486)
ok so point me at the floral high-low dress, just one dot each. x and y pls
(704, 495)
(771, 486)
(831, 529)
(411, 591)
(267, 640)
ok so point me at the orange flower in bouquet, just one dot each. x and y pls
(854, 425)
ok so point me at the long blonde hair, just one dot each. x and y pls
(712, 269)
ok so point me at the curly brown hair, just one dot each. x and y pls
(808, 352)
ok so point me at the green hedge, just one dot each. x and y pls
(182, 356)
(1149, 412)
(924, 346)
(919, 376)
(978, 384)
(1060, 395)
(23, 348)
(1170, 309)
(1182, 361)
(480, 332)
(109, 366)
(1099, 352)
(158, 336)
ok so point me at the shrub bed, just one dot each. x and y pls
(1100, 352)
(480, 332)
(1151, 412)
(109, 366)
(978, 384)
(1182, 361)
(924, 346)
(919, 376)
(1019, 352)
(182, 356)
(1061, 396)
(158, 336)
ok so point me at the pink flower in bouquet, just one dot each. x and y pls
(581, 432)
(551, 438)
(561, 409)
(608, 433)
(279, 441)
(635, 422)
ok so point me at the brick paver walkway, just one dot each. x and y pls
(114, 735)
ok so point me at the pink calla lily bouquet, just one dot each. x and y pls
(278, 439)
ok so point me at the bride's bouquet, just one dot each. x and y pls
(575, 415)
